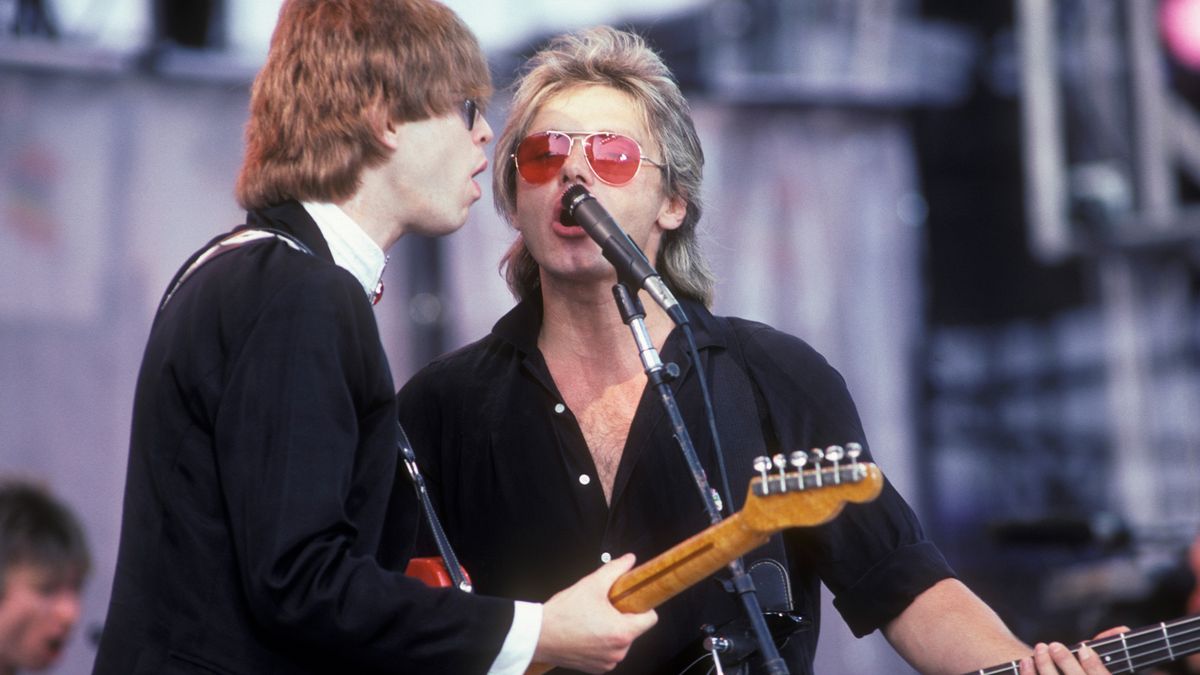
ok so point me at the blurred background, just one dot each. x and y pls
(983, 213)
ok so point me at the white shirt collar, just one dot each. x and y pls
(352, 249)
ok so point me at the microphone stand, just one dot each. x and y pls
(633, 314)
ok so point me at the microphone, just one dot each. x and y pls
(632, 266)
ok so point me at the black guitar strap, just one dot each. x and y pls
(449, 559)
(749, 434)
(226, 244)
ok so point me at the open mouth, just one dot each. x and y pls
(567, 219)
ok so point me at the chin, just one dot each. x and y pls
(443, 226)
(40, 662)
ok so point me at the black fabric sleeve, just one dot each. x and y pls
(874, 557)
(293, 433)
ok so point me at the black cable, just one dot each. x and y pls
(709, 415)
(659, 377)
(743, 586)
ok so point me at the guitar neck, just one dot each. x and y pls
(1133, 651)
(653, 583)
(774, 503)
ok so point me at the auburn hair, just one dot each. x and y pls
(337, 72)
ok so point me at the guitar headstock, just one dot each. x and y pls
(787, 494)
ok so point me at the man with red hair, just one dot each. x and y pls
(261, 532)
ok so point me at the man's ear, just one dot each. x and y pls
(386, 130)
(672, 213)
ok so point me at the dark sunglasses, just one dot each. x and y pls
(614, 158)
(470, 112)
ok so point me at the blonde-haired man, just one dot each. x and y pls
(549, 452)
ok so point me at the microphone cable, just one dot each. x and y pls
(709, 415)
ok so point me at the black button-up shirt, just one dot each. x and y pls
(513, 479)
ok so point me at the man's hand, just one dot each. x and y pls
(582, 630)
(1055, 658)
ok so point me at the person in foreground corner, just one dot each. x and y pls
(261, 532)
(44, 561)
(547, 452)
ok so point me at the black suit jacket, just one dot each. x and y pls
(259, 498)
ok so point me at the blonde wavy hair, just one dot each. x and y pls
(623, 61)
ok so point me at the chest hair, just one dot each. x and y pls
(604, 416)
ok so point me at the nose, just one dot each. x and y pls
(575, 168)
(483, 131)
(67, 606)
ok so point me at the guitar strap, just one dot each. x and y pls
(454, 570)
(226, 244)
(748, 432)
(749, 428)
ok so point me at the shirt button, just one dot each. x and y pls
(605, 557)
(584, 479)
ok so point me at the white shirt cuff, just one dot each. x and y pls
(517, 651)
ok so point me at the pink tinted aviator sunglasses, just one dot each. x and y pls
(614, 158)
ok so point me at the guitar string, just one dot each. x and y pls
(693, 664)
(1139, 660)
(1127, 662)
(1126, 646)
(1191, 623)
(1135, 655)
(1146, 646)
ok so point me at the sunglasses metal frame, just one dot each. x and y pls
(586, 137)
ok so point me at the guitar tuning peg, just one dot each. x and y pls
(762, 464)
(817, 455)
(854, 451)
(781, 464)
(798, 459)
(834, 454)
